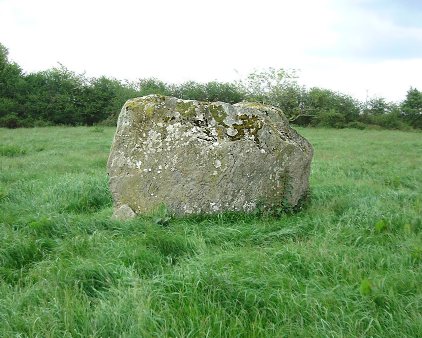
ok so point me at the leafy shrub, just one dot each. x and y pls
(191, 90)
(412, 108)
(325, 102)
(415, 120)
(59, 96)
(386, 121)
(41, 123)
(153, 86)
(356, 125)
(331, 119)
(304, 120)
(11, 121)
(373, 127)
(110, 121)
(225, 92)
(276, 87)
(211, 91)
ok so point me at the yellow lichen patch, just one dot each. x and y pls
(250, 125)
(220, 132)
(149, 106)
(217, 112)
(150, 109)
(186, 108)
(154, 98)
(135, 105)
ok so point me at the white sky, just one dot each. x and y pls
(357, 47)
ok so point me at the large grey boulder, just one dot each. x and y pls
(202, 157)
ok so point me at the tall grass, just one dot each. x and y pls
(349, 264)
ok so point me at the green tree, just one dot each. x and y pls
(377, 111)
(97, 100)
(123, 91)
(333, 109)
(57, 95)
(191, 90)
(276, 87)
(12, 90)
(210, 91)
(377, 106)
(224, 92)
(152, 86)
(412, 107)
(10, 74)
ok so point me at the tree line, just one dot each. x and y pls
(59, 96)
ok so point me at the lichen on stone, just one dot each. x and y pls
(187, 109)
(217, 112)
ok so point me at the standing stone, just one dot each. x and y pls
(204, 157)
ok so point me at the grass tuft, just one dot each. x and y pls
(11, 150)
(92, 277)
(81, 194)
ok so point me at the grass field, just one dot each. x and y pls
(348, 265)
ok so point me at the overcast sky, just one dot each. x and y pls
(358, 47)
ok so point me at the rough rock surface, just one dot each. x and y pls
(124, 212)
(202, 157)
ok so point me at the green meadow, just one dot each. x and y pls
(348, 264)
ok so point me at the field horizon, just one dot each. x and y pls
(348, 264)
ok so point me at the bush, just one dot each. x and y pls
(386, 121)
(373, 127)
(412, 108)
(59, 96)
(325, 102)
(110, 121)
(41, 123)
(415, 120)
(153, 86)
(305, 120)
(356, 125)
(191, 90)
(390, 121)
(11, 121)
(331, 119)
(225, 92)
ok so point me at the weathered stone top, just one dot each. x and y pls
(213, 147)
